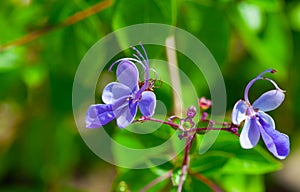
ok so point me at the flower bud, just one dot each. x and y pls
(191, 112)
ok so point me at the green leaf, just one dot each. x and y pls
(34, 75)
(146, 149)
(210, 162)
(142, 11)
(201, 20)
(139, 12)
(241, 183)
(176, 175)
(193, 184)
(294, 12)
(269, 5)
(269, 42)
(244, 161)
(11, 59)
(128, 180)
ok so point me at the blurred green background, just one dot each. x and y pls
(40, 147)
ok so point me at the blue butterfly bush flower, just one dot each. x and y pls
(257, 122)
(124, 97)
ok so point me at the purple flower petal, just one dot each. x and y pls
(239, 112)
(277, 143)
(147, 103)
(250, 134)
(126, 115)
(99, 115)
(128, 74)
(269, 100)
(267, 119)
(114, 91)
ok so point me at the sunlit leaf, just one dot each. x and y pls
(10, 59)
(249, 161)
(210, 162)
(241, 183)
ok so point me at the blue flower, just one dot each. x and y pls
(257, 122)
(122, 98)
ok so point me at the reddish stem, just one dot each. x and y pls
(185, 162)
(229, 128)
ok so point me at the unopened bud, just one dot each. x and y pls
(204, 103)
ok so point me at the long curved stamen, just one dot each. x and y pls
(155, 73)
(249, 85)
(275, 84)
(142, 59)
(138, 58)
(147, 70)
(145, 61)
(125, 59)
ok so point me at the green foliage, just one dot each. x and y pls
(150, 12)
(225, 163)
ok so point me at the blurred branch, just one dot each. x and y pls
(67, 22)
(205, 180)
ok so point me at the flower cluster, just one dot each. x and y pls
(122, 98)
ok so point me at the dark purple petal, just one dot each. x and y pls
(268, 101)
(128, 74)
(126, 115)
(99, 115)
(250, 134)
(114, 91)
(277, 143)
(239, 112)
(147, 103)
(267, 119)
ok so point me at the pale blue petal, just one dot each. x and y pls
(128, 74)
(250, 133)
(114, 91)
(268, 101)
(239, 112)
(277, 143)
(126, 115)
(147, 103)
(99, 115)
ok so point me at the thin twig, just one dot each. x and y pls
(205, 180)
(156, 181)
(228, 129)
(67, 22)
(143, 119)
